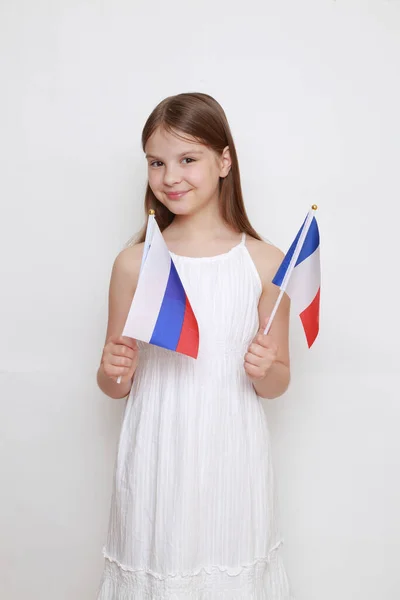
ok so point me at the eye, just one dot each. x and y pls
(156, 163)
(190, 160)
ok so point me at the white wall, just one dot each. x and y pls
(312, 92)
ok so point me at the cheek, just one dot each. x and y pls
(205, 177)
(155, 180)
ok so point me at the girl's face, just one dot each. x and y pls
(184, 174)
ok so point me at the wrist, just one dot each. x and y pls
(110, 387)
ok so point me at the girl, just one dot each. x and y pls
(192, 513)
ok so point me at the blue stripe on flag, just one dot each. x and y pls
(310, 244)
(169, 323)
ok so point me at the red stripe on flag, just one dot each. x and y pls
(189, 339)
(310, 319)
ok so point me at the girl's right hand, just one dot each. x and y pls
(120, 358)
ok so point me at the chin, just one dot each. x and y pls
(179, 208)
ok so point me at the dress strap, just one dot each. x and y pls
(243, 242)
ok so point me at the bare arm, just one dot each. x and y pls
(269, 361)
(120, 354)
(277, 379)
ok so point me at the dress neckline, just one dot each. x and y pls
(215, 256)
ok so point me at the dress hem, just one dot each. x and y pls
(209, 569)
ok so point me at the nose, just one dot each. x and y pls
(172, 175)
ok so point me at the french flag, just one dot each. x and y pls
(299, 275)
(160, 312)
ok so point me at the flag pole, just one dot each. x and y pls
(146, 247)
(292, 264)
(148, 238)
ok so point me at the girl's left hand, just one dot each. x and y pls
(261, 355)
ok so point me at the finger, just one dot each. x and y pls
(252, 359)
(131, 371)
(252, 370)
(124, 351)
(256, 349)
(265, 341)
(120, 361)
(113, 371)
(127, 341)
(121, 340)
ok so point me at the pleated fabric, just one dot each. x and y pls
(192, 512)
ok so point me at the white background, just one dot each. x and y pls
(311, 89)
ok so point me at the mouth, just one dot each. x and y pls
(176, 195)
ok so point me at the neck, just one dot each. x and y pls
(207, 223)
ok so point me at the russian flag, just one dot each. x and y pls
(299, 275)
(160, 312)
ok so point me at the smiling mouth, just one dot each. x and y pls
(175, 195)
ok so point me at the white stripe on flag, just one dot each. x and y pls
(150, 290)
(304, 282)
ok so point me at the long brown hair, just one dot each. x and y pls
(201, 117)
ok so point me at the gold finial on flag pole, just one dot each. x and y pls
(152, 211)
(314, 207)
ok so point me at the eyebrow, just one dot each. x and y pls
(180, 155)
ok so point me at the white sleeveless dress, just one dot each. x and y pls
(192, 513)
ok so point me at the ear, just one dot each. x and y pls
(225, 162)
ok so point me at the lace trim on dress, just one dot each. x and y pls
(231, 571)
(263, 579)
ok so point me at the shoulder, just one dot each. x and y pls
(127, 266)
(128, 260)
(266, 257)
